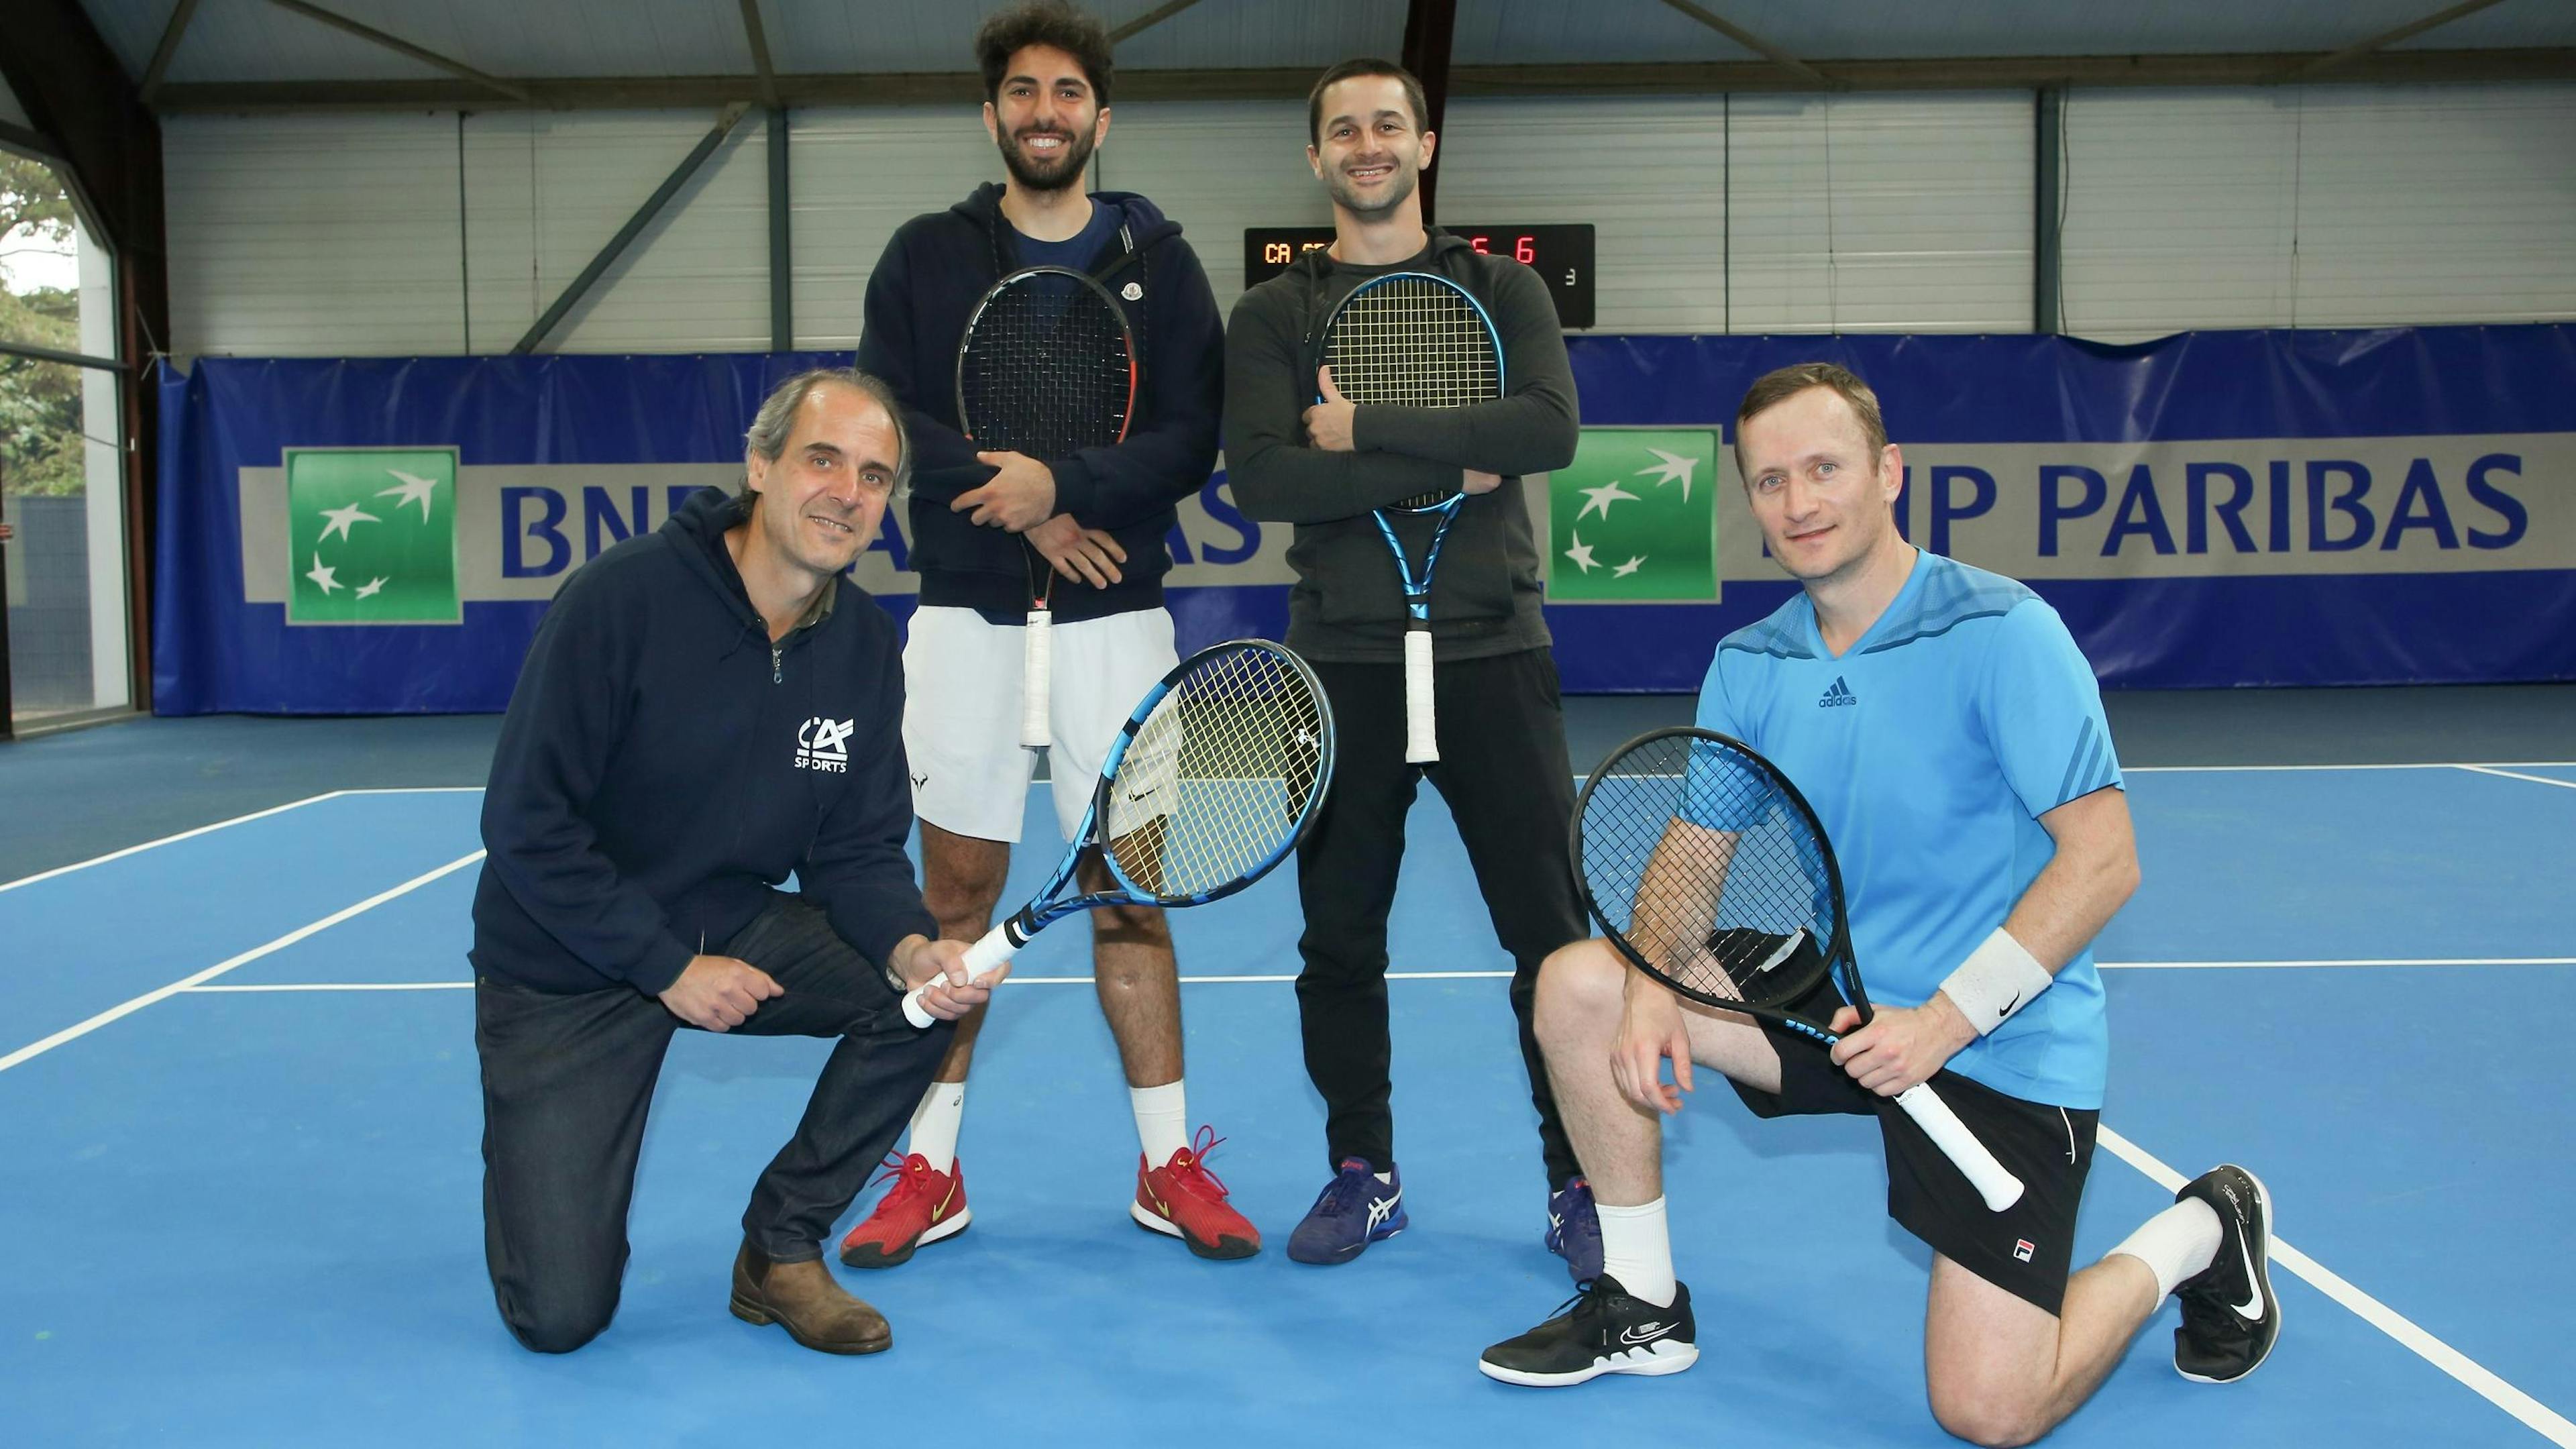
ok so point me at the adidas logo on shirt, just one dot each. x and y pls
(1840, 693)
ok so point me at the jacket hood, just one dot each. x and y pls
(695, 532)
(1145, 221)
(1318, 264)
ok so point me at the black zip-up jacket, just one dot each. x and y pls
(1348, 603)
(934, 271)
(663, 767)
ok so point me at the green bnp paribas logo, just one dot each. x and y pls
(1634, 518)
(373, 536)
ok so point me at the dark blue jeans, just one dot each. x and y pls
(567, 1081)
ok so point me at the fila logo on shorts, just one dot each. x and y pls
(824, 744)
(2022, 1249)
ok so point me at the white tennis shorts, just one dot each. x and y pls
(961, 718)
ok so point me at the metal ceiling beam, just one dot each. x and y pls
(1429, 28)
(1806, 74)
(633, 228)
(2360, 48)
(760, 53)
(1150, 19)
(401, 46)
(2411, 67)
(168, 47)
(19, 138)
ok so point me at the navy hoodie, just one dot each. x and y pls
(934, 271)
(663, 767)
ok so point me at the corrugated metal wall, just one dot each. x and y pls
(2319, 206)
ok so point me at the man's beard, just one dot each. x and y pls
(1065, 171)
(1404, 180)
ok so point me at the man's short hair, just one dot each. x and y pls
(1776, 387)
(1043, 22)
(1364, 65)
(776, 421)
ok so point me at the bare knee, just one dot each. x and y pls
(1984, 1412)
(965, 889)
(1140, 926)
(1580, 990)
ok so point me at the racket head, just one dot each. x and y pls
(1216, 776)
(1707, 869)
(1046, 366)
(1413, 339)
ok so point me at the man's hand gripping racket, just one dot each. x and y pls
(1211, 782)
(1707, 870)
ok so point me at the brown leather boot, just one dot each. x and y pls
(803, 1299)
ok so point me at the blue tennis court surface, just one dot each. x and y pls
(239, 1214)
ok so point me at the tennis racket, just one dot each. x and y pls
(1410, 339)
(1209, 784)
(1707, 869)
(1047, 367)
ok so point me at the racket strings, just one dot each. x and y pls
(1220, 775)
(1413, 342)
(1047, 370)
(1697, 857)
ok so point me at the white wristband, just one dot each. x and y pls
(1999, 978)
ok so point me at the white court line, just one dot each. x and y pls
(169, 840)
(71, 1033)
(2514, 775)
(341, 986)
(2533, 1413)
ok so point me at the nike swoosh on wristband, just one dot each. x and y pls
(2250, 1310)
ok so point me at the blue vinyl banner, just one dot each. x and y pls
(2209, 510)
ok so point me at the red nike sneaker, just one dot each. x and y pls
(924, 1206)
(1184, 1199)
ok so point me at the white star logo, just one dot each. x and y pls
(1671, 468)
(1630, 567)
(341, 518)
(1601, 498)
(1581, 553)
(324, 578)
(414, 489)
(371, 588)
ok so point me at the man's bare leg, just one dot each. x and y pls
(961, 881)
(2004, 1371)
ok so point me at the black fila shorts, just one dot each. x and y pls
(2025, 1249)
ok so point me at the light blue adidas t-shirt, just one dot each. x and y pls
(1929, 750)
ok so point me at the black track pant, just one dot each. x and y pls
(1503, 771)
(567, 1079)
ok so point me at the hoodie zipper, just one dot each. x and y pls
(777, 670)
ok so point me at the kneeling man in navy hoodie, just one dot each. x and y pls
(706, 711)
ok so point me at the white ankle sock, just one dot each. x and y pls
(2175, 1244)
(1637, 1250)
(1162, 1120)
(935, 1123)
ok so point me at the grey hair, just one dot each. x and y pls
(776, 419)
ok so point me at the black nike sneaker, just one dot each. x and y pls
(1600, 1330)
(2230, 1317)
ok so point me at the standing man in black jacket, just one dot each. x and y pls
(706, 709)
(1299, 453)
(981, 521)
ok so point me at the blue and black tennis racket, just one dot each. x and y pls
(1211, 782)
(1707, 870)
(1410, 339)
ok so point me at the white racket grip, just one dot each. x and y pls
(992, 950)
(1421, 727)
(1037, 678)
(1992, 1180)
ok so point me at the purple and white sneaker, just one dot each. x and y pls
(1574, 1230)
(1353, 1211)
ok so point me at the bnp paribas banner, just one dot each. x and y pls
(2215, 509)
